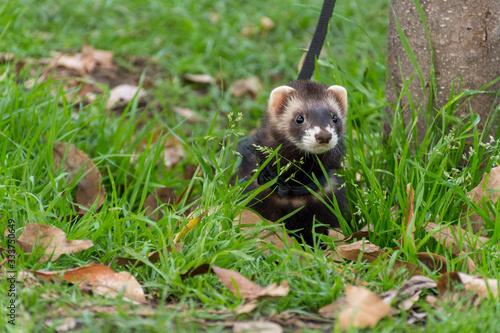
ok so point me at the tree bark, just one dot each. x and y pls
(465, 36)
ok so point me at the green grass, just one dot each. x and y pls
(180, 38)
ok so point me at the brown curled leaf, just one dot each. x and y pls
(100, 279)
(51, 239)
(162, 195)
(359, 308)
(90, 188)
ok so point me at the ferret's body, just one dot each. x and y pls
(307, 120)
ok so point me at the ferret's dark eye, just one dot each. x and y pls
(299, 119)
(335, 119)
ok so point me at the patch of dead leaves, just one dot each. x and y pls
(370, 252)
(51, 239)
(241, 286)
(246, 87)
(358, 308)
(123, 94)
(265, 25)
(244, 288)
(86, 61)
(85, 73)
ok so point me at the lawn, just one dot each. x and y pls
(158, 45)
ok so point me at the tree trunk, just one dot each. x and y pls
(465, 37)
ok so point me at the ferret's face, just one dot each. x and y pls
(313, 120)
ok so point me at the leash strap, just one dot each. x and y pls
(309, 65)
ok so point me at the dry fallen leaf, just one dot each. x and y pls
(256, 327)
(191, 116)
(173, 152)
(51, 239)
(6, 57)
(248, 219)
(488, 188)
(246, 87)
(370, 252)
(74, 62)
(67, 324)
(86, 61)
(359, 235)
(100, 279)
(480, 286)
(410, 195)
(359, 308)
(245, 287)
(333, 233)
(249, 29)
(124, 94)
(101, 58)
(22, 277)
(199, 78)
(163, 195)
(409, 292)
(90, 186)
(434, 262)
(237, 283)
(333, 255)
(240, 285)
(187, 228)
(266, 23)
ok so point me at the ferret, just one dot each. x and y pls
(307, 121)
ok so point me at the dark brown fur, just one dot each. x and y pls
(280, 128)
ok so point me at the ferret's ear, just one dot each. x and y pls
(279, 98)
(340, 95)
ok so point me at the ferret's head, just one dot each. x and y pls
(308, 114)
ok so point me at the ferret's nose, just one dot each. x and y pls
(323, 137)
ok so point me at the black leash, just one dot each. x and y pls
(309, 65)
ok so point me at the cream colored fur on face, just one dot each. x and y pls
(309, 144)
